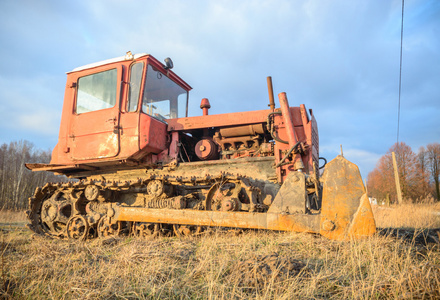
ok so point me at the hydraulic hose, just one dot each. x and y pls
(325, 162)
(287, 155)
(270, 127)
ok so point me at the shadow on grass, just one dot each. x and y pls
(415, 235)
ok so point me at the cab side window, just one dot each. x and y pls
(96, 91)
(135, 86)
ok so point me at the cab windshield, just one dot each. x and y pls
(162, 97)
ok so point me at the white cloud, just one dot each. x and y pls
(40, 121)
(365, 160)
(30, 105)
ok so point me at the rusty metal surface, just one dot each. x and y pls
(96, 129)
(294, 222)
(258, 168)
(152, 135)
(101, 135)
(59, 168)
(292, 195)
(293, 139)
(270, 91)
(343, 212)
(220, 120)
(287, 119)
(206, 149)
(155, 201)
(363, 223)
(205, 106)
(253, 129)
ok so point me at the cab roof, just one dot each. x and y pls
(128, 56)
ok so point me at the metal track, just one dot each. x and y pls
(78, 210)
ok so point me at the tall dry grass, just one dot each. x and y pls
(218, 266)
(407, 216)
(12, 216)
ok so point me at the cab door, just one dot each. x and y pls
(94, 128)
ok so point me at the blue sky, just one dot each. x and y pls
(340, 58)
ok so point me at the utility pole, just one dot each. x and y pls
(396, 178)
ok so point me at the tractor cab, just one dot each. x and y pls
(158, 95)
(117, 109)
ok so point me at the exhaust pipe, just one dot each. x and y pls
(270, 90)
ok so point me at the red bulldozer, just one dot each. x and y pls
(144, 167)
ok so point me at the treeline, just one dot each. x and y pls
(419, 174)
(17, 183)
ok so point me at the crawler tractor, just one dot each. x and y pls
(144, 167)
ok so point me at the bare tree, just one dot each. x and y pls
(422, 161)
(17, 183)
(381, 182)
(433, 163)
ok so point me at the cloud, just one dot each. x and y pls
(30, 105)
(340, 58)
(40, 121)
(365, 160)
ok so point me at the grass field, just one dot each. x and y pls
(222, 265)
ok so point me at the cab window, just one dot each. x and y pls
(135, 86)
(96, 91)
(162, 97)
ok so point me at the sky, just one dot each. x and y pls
(339, 58)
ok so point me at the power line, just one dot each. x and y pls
(400, 75)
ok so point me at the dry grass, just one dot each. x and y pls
(408, 216)
(12, 216)
(218, 266)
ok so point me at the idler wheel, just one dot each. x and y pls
(106, 229)
(146, 230)
(229, 205)
(77, 228)
(55, 213)
(155, 188)
(186, 230)
(222, 197)
(48, 212)
(91, 192)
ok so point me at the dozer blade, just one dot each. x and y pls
(346, 212)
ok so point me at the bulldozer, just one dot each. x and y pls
(140, 165)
